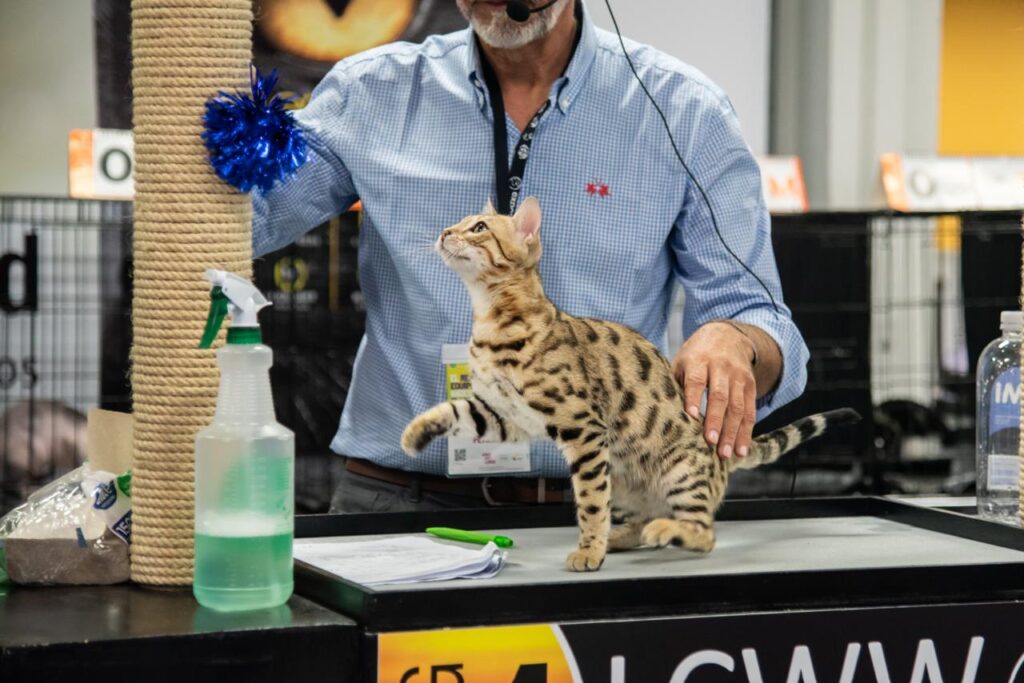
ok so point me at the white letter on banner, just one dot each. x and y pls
(800, 667)
(850, 663)
(700, 658)
(973, 659)
(878, 662)
(926, 660)
(618, 669)
(801, 664)
(752, 666)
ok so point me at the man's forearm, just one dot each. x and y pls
(768, 367)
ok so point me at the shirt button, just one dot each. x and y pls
(564, 103)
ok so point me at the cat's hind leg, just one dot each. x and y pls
(624, 537)
(683, 533)
(689, 497)
(627, 520)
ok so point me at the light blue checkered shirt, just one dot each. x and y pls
(407, 129)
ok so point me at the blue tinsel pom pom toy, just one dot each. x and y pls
(253, 140)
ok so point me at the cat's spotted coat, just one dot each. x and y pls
(600, 390)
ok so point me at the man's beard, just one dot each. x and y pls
(504, 33)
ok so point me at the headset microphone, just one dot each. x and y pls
(520, 11)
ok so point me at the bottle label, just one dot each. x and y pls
(111, 501)
(1004, 431)
(1004, 415)
(1003, 472)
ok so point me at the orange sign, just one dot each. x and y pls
(782, 179)
(937, 183)
(530, 653)
(892, 181)
(101, 164)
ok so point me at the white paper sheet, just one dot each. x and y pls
(401, 559)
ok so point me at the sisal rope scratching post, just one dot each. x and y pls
(186, 220)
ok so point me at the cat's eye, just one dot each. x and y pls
(479, 227)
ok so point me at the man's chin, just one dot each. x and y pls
(506, 35)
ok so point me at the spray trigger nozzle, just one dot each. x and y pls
(238, 297)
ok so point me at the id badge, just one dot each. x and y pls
(474, 456)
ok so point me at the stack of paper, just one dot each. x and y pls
(402, 559)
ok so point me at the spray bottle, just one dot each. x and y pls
(244, 470)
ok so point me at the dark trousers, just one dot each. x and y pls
(356, 493)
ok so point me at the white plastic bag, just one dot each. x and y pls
(74, 530)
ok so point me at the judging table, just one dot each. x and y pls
(851, 589)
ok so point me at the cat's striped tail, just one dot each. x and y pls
(769, 447)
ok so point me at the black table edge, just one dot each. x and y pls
(624, 598)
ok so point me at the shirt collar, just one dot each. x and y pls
(567, 87)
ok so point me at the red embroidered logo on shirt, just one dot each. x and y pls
(597, 188)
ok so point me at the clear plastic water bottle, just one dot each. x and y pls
(244, 472)
(998, 428)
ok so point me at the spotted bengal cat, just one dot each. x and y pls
(598, 389)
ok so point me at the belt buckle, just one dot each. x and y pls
(485, 485)
(540, 496)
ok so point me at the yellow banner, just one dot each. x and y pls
(500, 654)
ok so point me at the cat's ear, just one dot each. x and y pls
(488, 208)
(527, 219)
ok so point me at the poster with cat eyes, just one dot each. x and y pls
(303, 39)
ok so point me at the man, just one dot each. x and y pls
(410, 131)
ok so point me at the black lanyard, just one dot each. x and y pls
(508, 181)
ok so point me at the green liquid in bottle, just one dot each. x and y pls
(235, 573)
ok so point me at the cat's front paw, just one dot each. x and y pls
(584, 560)
(419, 433)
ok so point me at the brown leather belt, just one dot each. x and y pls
(494, 490)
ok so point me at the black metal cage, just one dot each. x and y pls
(65, 336)
(895, 309)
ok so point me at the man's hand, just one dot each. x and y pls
(720, 358)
